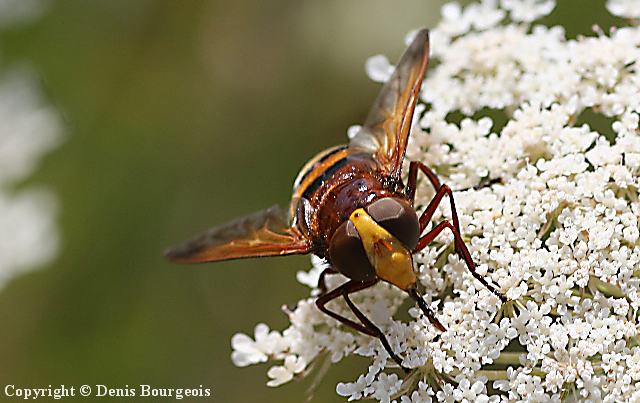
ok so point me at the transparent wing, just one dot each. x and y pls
(264, 233)
(386, 128)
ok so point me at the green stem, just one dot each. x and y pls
(581, 292)
(610, 290)
(493, 375)
(508, 358)
(567, 390)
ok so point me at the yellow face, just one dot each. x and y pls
(389, 257)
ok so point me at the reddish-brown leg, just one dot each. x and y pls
(410, 191)
(435, 182)
(425, 218)
(348, 287)
(461, 249)
(427, 214)
(485, 182)
(322, 285)
(441, 191)
(413, 292)
(367, 327)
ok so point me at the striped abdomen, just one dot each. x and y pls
(332, 185)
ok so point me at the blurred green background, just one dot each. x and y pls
(180, 115)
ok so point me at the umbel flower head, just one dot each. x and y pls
(523, 105)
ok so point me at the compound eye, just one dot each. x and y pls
(398, 217)
(347, 254)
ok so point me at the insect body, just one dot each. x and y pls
(351, 207)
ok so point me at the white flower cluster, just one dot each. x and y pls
(29, 129)
(554, 122)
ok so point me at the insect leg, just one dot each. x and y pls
(380, 334)
(367, 327)
(348, 287)
(441, 191)
(413, 178)
(486, 182)
(461, 249)
(413, 292)
(433, 204)
(322, 285)
(433, 178)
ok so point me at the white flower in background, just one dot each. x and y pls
(29, 128)
(517, 102)
(13, 12)
(528, 10)
(624, 8)
(378, 68)
(247, 351)
(29, 235)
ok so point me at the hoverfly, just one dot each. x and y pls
(351, 207)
